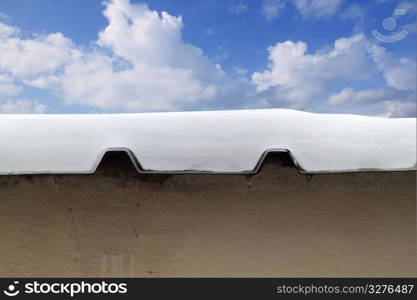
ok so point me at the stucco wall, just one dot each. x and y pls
(117, 223)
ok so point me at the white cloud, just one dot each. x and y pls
(396, 109)
(163, 72)
(28, 58)
(317, 8)
(239, 70)
(4, 16)
(294, 78)
(238, 8)
(21, 106)
(400, 73)
(354, 12)
(384, 99)
(140, 62)
(351, 96)
(7, 31)
(384, 102)
(7, 87)
(314, 9)
(93, 81)
(271, 8)
(298, 77)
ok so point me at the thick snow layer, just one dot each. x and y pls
(221, 141)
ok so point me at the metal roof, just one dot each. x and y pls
(217, 142)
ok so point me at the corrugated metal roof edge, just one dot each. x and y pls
(137, 165)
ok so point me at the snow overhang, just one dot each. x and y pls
(198, 142)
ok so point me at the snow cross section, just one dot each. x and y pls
(216, 142)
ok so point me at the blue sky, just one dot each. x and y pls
(73, 56)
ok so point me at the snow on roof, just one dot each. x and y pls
(220, 141)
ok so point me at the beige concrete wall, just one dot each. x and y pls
(116, 223)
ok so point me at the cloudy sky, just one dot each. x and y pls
(331, 56)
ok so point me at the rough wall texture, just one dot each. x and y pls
(118, 223)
